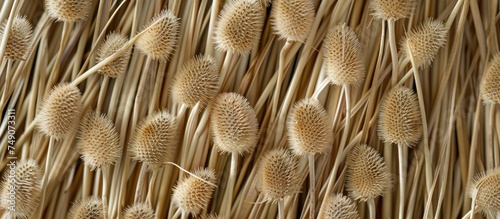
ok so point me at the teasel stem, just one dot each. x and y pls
(150, 196)
(231, 182)
(473, 204)
(279, 82)
(312, 186)
(394, 52)
(46, 174)
(490, 160)
(281, 209)
(402, 179)
(371, 208)
(105, 188)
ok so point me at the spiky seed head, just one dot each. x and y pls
(160, 41)
(234, 124)
(309, 128)
(69, 10)
(20, 39)
(98, 141)
(91, 207)
(486, 189)
(139, 211)
(192, 195)
(424, 42)
(155, 140)
(113, 42)
(343, 56)
(490, 83)
(278, 175)
(339, 206)
(27, 192)
(198, 81)
(399, 118)
(367, 174)
(239, 26)
(292, 19)
(60, 112)
(392, 9)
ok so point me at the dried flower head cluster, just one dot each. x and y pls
(154, 141)
(19, 40)
(197, 81)
(490, 83)
(309, 128)
(60, 111)
(192, 195)
(98, 141)
(25, 187)
(367, 174)
(234, 124)
(424, 42)
(339, 206)
(91, 207)
(278, 175)
(239, 26)
(292, 19)
(160, 40)
(399, 118)
(343, 57)
(139, 211)
(392, 9)
(117, 67)
(69, 10)
(485, 188)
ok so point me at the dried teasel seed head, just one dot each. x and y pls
(20, 39)
(490, 83)
(198, 81)
(399, 118)
(60, 111)
(154, 141)
(27, 192)
(192, 195)
(160, 40)
(113, 42)
(339, 207)
(424, 42)
(98, 141)
(343, 56)
(292, 19)
(234, 124)
(139, 211)
(239, 26)
(278, 175)
(69, 10)
(91, 207)
(309, 128)
(392, 9)
(485, 187)
(367, 174)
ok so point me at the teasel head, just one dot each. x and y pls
(239, 26)
(309, 128)
(69, 10)
(424, 42)
(154, 141)
(60, 111)
(292, 19)
(192, 195)
(98, 141)
(234, 124)
(399, 118)
(278, 175)
(339, 206)
(139, 211)
(485, 189)
(117, 67)
(20, 39)
(490, 83)
(27, 190)
(198, 81)
(392, 9)
(91, 207)
(367, 174)
(343, 57)
(160, 40)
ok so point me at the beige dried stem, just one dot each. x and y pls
(339, 206)
(192, 195)
(400, 123)
(367, 176)
(235, 130)
(309, 133)
(278, 177)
